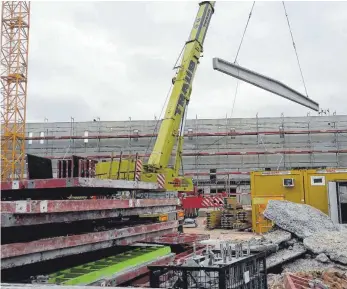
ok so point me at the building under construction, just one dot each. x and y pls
(227, 148)
(77, 222)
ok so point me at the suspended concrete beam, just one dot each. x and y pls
(263, 82)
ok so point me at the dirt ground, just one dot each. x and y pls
(218, 233)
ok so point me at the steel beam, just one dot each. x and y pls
(62, 206)
(15, 220)
(263, 82)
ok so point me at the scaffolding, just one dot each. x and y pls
(233, 147)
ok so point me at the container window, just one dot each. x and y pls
(317, 181)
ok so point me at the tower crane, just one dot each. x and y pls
(172, 126)
(15, 23)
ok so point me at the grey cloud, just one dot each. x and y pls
(56, 109)
(115, 59)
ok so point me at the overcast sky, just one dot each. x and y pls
(114, 60)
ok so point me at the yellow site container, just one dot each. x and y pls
(274, 185)
(277, 183)
(316, 186)
(259, 223)
(298, 186)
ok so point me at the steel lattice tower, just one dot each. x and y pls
(14, 68)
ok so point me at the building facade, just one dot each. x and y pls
(229, 147)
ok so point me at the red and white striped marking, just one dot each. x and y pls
(161, 181)
(208, 202)
(138, 170)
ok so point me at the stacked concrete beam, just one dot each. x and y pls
(20, 213)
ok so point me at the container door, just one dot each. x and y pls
(333, 202)
(342, 192)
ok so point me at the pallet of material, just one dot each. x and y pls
(213, 220)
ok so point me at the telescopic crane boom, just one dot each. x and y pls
(172, 127)
(180, 95)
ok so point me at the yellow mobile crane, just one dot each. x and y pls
(172, 127)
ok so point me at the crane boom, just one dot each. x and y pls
(171, 131)
(180, 95)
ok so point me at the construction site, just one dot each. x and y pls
(173, 202)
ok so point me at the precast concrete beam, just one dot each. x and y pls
(16, 220)
(55, 243)
(63, 206)
(19, 254)
(263, 82)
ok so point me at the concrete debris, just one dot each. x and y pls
(323, 258)
(330, 278)
(291, 242)
(277, 236)
(261, 245)
(300, 219)
(304, 233)
(333, 244)
(256, 245)
(327, 279)
(285, 255)
(316, 283)
(275, 281)
(306, 265)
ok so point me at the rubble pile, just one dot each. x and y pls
(307, 241)
(327, 279)
(300, 219)
(332, 244)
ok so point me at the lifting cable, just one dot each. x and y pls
(244, 32)
(296, 52)
(158, 120)
(166, 99)
(238, 81)
(237, 54)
